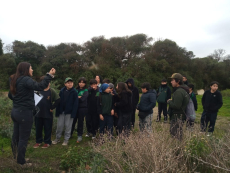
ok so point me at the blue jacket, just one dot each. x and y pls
(71, 105)
(147, 102)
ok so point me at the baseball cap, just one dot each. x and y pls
(68, 79)
(176, 76)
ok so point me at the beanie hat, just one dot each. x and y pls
(103, 87)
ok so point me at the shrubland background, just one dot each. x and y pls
(117, 58)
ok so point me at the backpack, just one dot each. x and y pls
(190, 111)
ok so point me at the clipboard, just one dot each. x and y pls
(37, 97)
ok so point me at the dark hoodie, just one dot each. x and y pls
(212, 102)
(179, 100)
(147, 102)
(135, 92)
(125, 102)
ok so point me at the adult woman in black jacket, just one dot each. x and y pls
(22, 88)
(124, 106)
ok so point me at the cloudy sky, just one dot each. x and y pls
(199, 25)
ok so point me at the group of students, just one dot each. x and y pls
(104, 108)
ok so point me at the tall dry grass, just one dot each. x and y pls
(159, 152)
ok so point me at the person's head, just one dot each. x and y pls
(163, 82)
(121, 86)
(93, 84)
(129, 84)
(214, 86)
(176, 79)
(68, 83)
(184, 78)
(23, 69)
(106, 81)
(104, 88)
(145, 87)
(111, 86)
(98, 78)
(81, 83)
(41, 79)
(190, 87)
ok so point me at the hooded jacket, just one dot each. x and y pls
(179, 100)
(212, 102)
(135, 93)
(168, 92)
(147, 102)
(70, 104)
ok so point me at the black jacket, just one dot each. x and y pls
(25, 87)
(92, 100)
(83, 100)
(68, 105)
(124, 103)
(135, 91)
(212, 102)
(147, 102)
(193, 97)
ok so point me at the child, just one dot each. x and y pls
(192, 95)
(105, 108)
(212, 102)
(66, 111)
(145, 107)
(92, 118)
(44, 118)
(163, 94)
(124, 106)
(82, 108)
(99, 80)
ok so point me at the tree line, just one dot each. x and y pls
(117, 58)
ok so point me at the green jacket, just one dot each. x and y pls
(179, 101)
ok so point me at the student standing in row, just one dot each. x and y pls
(82, 108)
(135, 98)
(92, 118)
(44, 118)
(212, 102)
(163, 94)
(124, 106)
(66, 111)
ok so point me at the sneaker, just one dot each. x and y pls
(79, 139)
(157, 120)
(56, 141)
(36, 145)
(65, 143)
(209, 134)
(26, 165)
(93, 137)
(88, 135)
(46, 146)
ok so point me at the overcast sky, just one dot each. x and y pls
(199, 25)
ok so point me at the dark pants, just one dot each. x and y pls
(23, 122)
(124, 122)
(162, 107)
(208, 117)
(92, 122)
(46, 124)
(107, 122)
(115, 123)
(79, 119)
(133, 118)
(176, 126)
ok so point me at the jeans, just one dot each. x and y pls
(146, 123)
(45, 123)
(107, 122)
(64, 120)
(208, 117)
(23, 121)
(162, 107)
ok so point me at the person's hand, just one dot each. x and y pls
(169, 100)
(79, 97)
(101, 117)
(52, 71)
(51, 110)
(112, 112)
(115, 114)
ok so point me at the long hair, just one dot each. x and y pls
(122, 87)
(79, 81)
(22, 70)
